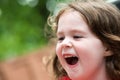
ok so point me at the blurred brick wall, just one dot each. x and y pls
(29, 67)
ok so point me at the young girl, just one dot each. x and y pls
(88, 46)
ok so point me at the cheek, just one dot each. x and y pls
(89, 60)
(59, 54)
(91, 46)
(58, 50)
(90, 53)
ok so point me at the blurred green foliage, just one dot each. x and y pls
(21, 26)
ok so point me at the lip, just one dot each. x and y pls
(68, 55)
(70, 52)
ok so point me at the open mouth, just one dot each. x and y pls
(71, 60)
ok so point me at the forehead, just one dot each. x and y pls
(71, 20)
(71, 17)
(71, 11)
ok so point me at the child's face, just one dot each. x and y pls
(79, 51)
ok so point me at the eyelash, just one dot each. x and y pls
(74, 37)
(77, 37)
(61, 38)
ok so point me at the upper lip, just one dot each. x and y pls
(70, 52)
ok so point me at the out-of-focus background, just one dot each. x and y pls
(22, 25)
(25, 43)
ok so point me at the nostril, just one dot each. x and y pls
(67, 44)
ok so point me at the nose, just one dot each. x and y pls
(66, 43)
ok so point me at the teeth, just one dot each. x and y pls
(67, 56)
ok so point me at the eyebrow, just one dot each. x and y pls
(72, 31)
(78, 32)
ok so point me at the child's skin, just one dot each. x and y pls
(76, 39)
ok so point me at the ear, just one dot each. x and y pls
(108, 52)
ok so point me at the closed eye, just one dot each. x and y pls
(77, 37)
(61, 38)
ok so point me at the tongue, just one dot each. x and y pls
(71, 60)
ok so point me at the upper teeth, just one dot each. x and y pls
(67, 56)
